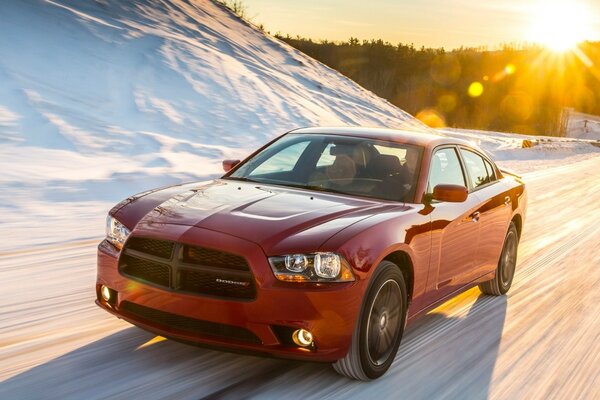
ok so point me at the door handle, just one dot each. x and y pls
(475, 216)
(507, 201)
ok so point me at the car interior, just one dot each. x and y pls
(345, 165)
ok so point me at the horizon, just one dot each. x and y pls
(434, 23)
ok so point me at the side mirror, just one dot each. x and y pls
(450, 193)
(229, 164)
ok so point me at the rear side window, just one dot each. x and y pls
(445, 169)
(490, 170)
(479, 173)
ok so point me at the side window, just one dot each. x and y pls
(476, 167)
(445, 169)
(283, 161)
(490, 170)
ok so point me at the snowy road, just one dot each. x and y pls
(541, 341)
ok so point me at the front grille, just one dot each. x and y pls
(215, 258)
(214, 284)
(158, 248)
(186, 268)
(146, 271)
(189, 325)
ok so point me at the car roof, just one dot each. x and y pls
(424, 138)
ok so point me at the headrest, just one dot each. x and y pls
(340, 149)
(385, 164)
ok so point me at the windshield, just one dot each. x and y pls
(339, 164)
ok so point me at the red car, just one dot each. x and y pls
(320, 246)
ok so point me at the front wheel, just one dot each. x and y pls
(380, 326)
(505, 271)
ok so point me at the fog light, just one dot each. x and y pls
(302, 337)
(105, 293)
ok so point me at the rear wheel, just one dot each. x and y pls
(380, 326)
(505, 271)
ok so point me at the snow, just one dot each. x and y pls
(104, 99)
(583, 126)
(101, 99)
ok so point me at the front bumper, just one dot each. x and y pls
(329, 311)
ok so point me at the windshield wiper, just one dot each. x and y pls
(242, 179)
(315, 188)
(288, 184)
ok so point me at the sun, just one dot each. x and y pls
(560, 24)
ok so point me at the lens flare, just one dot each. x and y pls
(431, 118)
(475, 89)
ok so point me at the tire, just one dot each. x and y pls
(379, 328)
(505, 271)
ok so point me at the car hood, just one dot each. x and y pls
(279, 219)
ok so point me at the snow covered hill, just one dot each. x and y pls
(157, 87)
(102, 99)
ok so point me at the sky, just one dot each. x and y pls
(431, 23)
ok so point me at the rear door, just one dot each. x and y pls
(493, 210)
(455, 234)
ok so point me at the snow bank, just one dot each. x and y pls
(507, 149)
(583, 126)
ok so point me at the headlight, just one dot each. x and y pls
(315, 267)
(116, 232)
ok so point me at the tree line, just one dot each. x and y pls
(511, 89)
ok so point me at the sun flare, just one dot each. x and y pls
(560, 24)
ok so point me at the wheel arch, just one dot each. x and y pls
(404, 263)
(518, 221)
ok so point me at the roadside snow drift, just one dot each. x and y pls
(546, 151)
